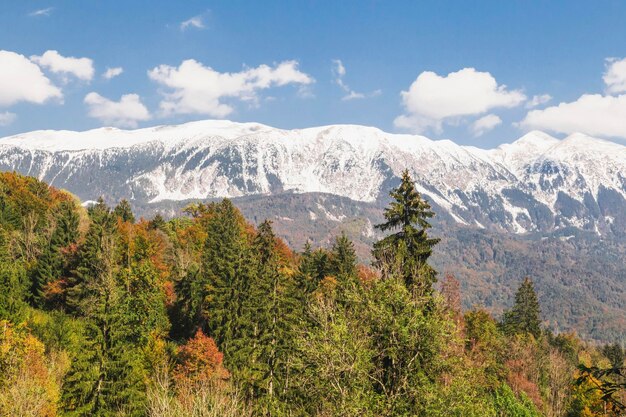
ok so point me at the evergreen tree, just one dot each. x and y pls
(343, 258)
(105, 375)
(53, 264)
(221, 291)
(13, 291)
(524, 317)
(273, 315)
(186, 314)
(124, 211)
(614, 353)
(315, 265)
(91, 264)
(406, 252)
(157, 223)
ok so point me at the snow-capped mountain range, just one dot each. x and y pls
(537, 183)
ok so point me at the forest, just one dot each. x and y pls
(105, 314)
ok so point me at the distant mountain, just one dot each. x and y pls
(542, 207)
(537, 183)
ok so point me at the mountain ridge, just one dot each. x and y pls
(536, 183)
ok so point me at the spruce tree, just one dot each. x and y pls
(53, 264)
(221, 291)
(273, 315)
(158, 222)
(91, 263)
(615, 354)
(406, 251)
(13, 291)
(524, 317)
(124, 211)
(343, 258)
(105, 375)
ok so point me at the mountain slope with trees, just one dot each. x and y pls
(104, 314)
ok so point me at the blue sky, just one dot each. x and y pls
(479, 73)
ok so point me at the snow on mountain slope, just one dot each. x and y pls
(537, 183)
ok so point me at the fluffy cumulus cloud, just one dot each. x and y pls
(6, 118)
(22, 80)
(193, 88)
(112, 72)
(124, 113)
(432, 100)
(485, 124)
(593, 114)
(615, 76)
(81, 68)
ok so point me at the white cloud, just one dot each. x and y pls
(353, 95)
(485, 124)
(81, 68)
(538, 100)
(339, 71)
(196, 22)
(21, 80)
(124, 113)
(41, 12)
(615, 76)
(194, 88)
(433, 99)
(593, 114)
(7, 118)
(112, 72)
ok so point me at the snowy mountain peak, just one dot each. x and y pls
(535, 183)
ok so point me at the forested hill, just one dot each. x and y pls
(105, 314)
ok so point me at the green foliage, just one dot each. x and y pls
(336, 363)
(220, 292)
(614, 353)
(54, 263)
(124, 212)
(343, 258)
(524, 317)
(508, 405)
(255, 329)
(270, 316)
(406, 252)
(13, 292)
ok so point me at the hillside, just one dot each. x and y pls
(541, 207)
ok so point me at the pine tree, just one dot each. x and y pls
(157, 223)
(91, 262)
(343, 258)
(315, 265)
(524, 317)
(124, 211)
(13, 291)
(53, 264)
(105, 376)
(272, 310)
(615, 354)
(225, 279)
(406, 252)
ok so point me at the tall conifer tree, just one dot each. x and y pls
(225, 278)
(53, 264)
(104, 376)
(406, 251)
(524, 317)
